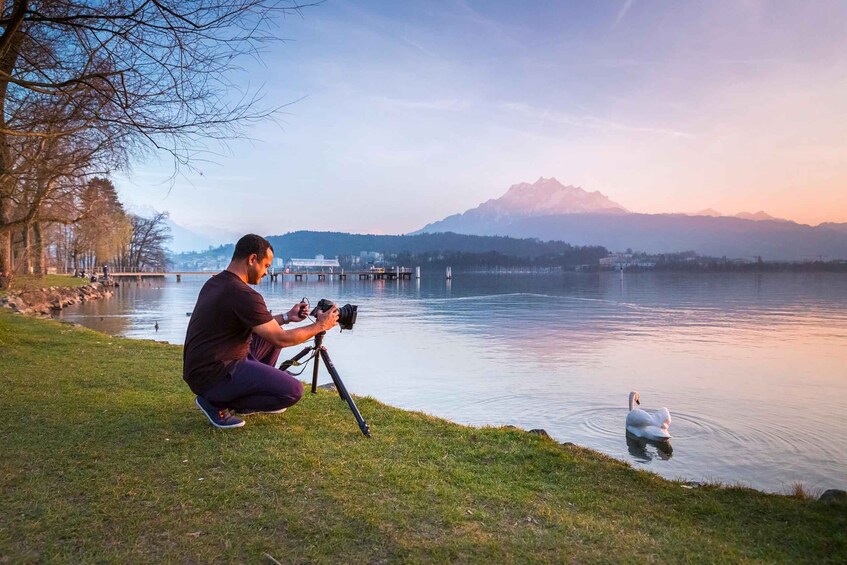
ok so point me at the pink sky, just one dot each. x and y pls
(408, 112)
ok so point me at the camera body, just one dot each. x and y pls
(346, 313)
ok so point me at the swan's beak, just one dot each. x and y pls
(638, 402)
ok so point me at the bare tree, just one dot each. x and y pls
(147, 250)
(131, 75)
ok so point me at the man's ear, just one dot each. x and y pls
(252, 258)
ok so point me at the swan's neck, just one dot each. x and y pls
(631, 400)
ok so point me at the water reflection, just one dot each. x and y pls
(752, 365)
(645, 450)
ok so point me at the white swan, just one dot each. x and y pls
(645, 425)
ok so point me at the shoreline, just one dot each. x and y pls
(43, 302)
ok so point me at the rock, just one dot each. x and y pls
(540, 432)
(44, 301)
(834, 496)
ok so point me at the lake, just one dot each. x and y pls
(751, 366)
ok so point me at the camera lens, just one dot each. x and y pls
(347, 316)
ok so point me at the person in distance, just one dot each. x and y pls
(233, 342)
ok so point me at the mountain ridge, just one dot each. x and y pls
(612, 226)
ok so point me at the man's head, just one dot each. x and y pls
(255, 254)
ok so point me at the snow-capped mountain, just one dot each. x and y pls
(549, 210)
(545, 197)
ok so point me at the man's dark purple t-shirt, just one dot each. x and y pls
(220, 330)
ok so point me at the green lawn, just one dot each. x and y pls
(106, 458)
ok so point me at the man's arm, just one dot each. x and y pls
(273, 333)
(298, 313)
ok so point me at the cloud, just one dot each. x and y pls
(622, 12)
(586, 121)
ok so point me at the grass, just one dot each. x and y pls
(106, 458)
(29, 282)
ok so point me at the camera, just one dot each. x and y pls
(346, 313)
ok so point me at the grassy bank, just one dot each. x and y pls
(29, 282)
(106, 458)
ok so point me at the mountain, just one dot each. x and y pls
(841, 228)
(759, 216)
(609, 225)
(189, 238)
(198, 238)
(708, 212)
(546, 196)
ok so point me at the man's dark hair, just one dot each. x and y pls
(250, 244)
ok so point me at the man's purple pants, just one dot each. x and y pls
(254, 383)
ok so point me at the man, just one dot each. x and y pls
(233, 342)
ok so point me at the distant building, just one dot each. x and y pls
(624, 260)
(371, 257)
(317, 263)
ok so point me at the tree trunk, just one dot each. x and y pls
(38, 250)
(26, 259)
(9, 42)
(5, 239)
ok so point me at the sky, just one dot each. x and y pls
(402, 113)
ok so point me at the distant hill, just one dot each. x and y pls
(305, 244)
(611, 226)
(198, 238)
(841, 228)
(759, 216)
(670, 233)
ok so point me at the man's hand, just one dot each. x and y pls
(328, 319)
(299, 313)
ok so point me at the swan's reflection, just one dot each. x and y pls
(638, 448)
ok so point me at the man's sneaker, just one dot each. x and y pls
(248, 411)
(219, 418)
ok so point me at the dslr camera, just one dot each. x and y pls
(346, 313)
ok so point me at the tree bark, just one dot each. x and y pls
(26, 259)
(9, 42)
(38, 250)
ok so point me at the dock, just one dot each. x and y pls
(396, 273)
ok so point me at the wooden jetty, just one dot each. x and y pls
(396, 273)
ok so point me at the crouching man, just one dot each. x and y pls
(233, 342)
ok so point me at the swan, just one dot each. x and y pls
(645, 425)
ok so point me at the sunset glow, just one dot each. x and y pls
(404, 113)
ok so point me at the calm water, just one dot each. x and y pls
(751, 367)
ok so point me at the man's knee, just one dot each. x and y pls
(292, 392)
(297, 391)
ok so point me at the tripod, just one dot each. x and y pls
(321, 353)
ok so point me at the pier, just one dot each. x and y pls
(396, 273)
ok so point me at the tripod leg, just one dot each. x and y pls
(342, 392)
(286, 364)
(315, 370)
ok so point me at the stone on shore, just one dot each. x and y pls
(44, 301)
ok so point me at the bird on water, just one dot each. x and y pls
(645, 425)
